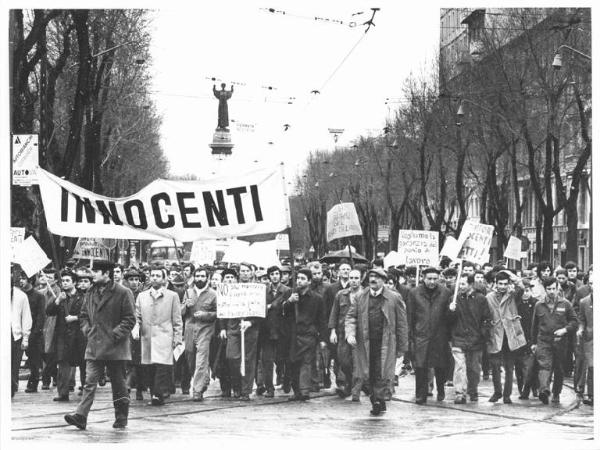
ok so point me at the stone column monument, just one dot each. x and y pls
(221, 143)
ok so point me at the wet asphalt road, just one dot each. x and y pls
(36, 418)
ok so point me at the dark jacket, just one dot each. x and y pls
(308, 327)
(470, 322)
(580, 293)
(37, 306)
(586, 317)
(329, 295)
(427, 326)
(68, 340)
(107, 320)
(525, 311)
(547, 319)
(341, 304)
(272, 327)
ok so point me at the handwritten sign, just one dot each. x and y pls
(513, 248)
(91, 248)
(418, 248)
(30, 256)
(25, 159)
(204, 252)
(17, 235)
(241, 300)
(475, 241)
(342, 221)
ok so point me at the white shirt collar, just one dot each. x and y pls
(376, 293)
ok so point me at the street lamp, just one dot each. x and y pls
(557, 62)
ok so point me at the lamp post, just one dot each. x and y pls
(557, 62)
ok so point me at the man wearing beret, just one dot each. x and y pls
(107, 317)
(427, 308)
(377, 329)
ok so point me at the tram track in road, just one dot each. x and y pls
(227, 405)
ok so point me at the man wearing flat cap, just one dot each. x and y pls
(106, 319)
(427, 308)
(376, 327)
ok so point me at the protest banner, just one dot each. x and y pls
(392, 259)
(25, 152)
(342, 221)
(513, 248)
(418, 248)
(17, 235)
(236, 205)
(91, 248)
(241, 300)
(450, 248)
(283, 241)
(30, 256)
(204, 252)
(475, 240)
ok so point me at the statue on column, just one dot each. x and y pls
(223, 96)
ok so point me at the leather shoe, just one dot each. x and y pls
(588, 401)
(139, 395)
(460, 400)
(523, 397)
(377, 409)
(156, 401)
(244, 398)
(185, 392)
(198, 397)
(270, 393)
(507, 400)
(555, 398)
(45, 387)
(544, 397)
(77, 420)
(355, 398)
(31, 390)
(260, 390)
(421, 401)
(61, 398)
(495, 397)
(286, 387)
(441, 396)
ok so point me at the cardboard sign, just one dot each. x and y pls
(282, 241)
(204, 252)
(342, 221)
(475, 241)
(31, 257)
(17, 235)
(91, 248)
(25, 151)
(450, 248)
(418, 248)
(513, 248)
(241, 300)
(392, 259)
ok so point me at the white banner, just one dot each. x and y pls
(204, 252)
(25, 152)
(283, 241)
(17, 235)
(243, 204)
(31, 257)
(475, 240)
(342, 221)
(418, 248)
(241, 300)
(392, 259)
(513, 248)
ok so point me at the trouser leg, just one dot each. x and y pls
(251, 347)
(377, 385)
(94, 370)
(580, 368)
(460, 372)
(440, 379)
(304, 374)
(201, 370)
(63, 378)
(161, 379)
(509, 370)
(544, 359)
(268, 350)
(16, 357)
(559, 372)
(421, 382)
(473, 363)
(344, 358)
(520, 369)
(50, 368)
(116, 371)
(34, 357)
(590, 382)
(495, 361)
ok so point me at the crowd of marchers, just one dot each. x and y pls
(152, 329)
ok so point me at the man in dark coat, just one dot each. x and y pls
(136, 375)
(107, 318)
(320, 374)
(585, 334)
(526, 367)
(337, 323)
(469, 321)
(553, 319)
(37, 306)
(272, 333)
(68, 341)
(305, 317)
(580, 369)
(427, 309)
(343, 269)
(377, 329)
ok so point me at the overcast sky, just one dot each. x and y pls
(240, 42)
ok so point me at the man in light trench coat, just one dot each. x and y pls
(377, 329)
(158, 315)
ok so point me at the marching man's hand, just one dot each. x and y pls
(351, 340)
(333, 337)
(223, 334)
(245, 324)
